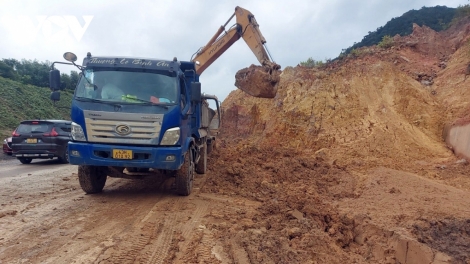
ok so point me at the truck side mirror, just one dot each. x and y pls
(195, 91)
(55, 96)
(54, 80)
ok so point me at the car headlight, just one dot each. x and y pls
(4, 141)
(77, 132)
(171, 136)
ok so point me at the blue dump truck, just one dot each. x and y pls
(133, 116)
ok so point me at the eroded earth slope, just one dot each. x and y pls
(349, 160)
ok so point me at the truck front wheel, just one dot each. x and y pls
(201, 166)
(92, 178)
(185, 175)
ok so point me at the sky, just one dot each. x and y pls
(295, 30)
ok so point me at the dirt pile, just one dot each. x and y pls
(348, 162)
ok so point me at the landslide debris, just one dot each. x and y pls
(348, 159)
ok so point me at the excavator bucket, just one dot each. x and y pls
(258, 81)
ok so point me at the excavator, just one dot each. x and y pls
(258, 81)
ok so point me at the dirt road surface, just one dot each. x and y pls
(46, 218)
(296, 210)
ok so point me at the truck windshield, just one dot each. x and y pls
(127, 86)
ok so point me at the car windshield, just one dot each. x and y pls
(127, 86)
(33, 128)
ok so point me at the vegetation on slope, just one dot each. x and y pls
(34, 73)
(21, 102)
(438, 18)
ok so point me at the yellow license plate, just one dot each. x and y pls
(122, 154)
(31, 140)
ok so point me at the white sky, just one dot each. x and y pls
(295, 29)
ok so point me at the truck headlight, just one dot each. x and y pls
(77, 132)
(171, 136)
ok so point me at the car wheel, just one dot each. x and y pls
(92, 178)
(25, 160)
(64, 158)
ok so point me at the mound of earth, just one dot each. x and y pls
(348, 163)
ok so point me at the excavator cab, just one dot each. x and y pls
(258, 81)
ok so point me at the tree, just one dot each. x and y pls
(73, 79)
(7, 71)
(438, 18)
(65, 81)
(27, 71)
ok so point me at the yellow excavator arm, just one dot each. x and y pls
(257, 82)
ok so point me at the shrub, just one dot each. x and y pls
(356, 52)
(311, 63)
(387, 42)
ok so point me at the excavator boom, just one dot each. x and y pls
(256, 81)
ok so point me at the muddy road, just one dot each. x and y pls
(12, 167)
(241, 211)
(45, 217)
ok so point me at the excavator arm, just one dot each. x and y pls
(256, 81)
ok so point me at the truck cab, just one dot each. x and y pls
(138, 115)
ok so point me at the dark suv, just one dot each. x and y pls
(41, 139)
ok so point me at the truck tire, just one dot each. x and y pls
(185, 175)
(25, 160)
(201, 166)
(92, 178)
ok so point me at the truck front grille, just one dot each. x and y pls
(104, 127)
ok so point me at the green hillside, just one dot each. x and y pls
(20, 102)
(438, 18)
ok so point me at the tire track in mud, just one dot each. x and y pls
(129, 250)
(159, 251)
(192, 233)
(238, 253)
(182, 216)
(202, 244)
(205, 249)
(152, 239)
(124, 235)
(100, 222)
(133, 242)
